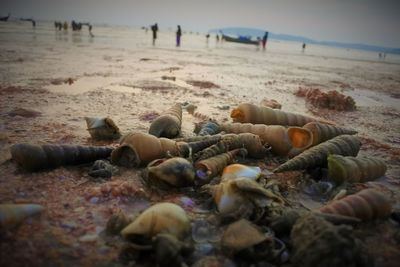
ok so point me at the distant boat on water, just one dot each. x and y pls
(5, 18)
(240, 39)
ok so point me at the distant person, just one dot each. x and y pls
(178, 36)
(217, 38)
(154, 29)
(380, 55)
(207, 37)
(90, 30)
(264, 40)
(33, 23)
(65, 26)
(384, 55)
(303, 47)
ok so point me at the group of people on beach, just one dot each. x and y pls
(76, 26)
(154, 29)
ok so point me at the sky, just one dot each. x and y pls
(373, 22)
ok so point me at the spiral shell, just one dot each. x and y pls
(102, 128)
(160, 218)
(13, 214)
(353, 169)
(323, 132)
(39, 157)
(168, 124)
(282, 140)
(366, 205)
(208, 128)
(235, 171)
(250, 142)
(346, 145)
(199, 138)
(174, 171)
(208, 168)
(138, 149)
(263, 115)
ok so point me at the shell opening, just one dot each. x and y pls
(237, 114)
(125, 156)
(300, 137)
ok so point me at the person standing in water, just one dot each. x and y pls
(154, 29)
(178, 36)
(264, 40)
(303, 47)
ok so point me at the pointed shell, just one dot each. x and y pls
(323, 132)
(168, 124)
(13, 214)
(102, 128)
(174, 171)
(234, 171)
(160, 218)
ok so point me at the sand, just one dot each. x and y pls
(51, 80)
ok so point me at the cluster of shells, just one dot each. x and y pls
(253, 214)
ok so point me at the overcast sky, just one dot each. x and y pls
(374, 22)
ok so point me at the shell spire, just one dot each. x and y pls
(39, 157)
(102, 128)
(366, 205)
(168, 124)
(263, 115)
(323, 132)
(346, 145)
(283, 141)
(353, 169)
(13, 214)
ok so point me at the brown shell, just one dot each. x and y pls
(39, 157)
(281, 140)
(323, 132)
(168, 124)
(174, 171)
(251, 142)
(211, 167)
(263, 115)
(102, 128)
(138, 149)
(346, 145)
(366, 205)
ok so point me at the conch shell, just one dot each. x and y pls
(346, 145)
(176, 171)
(322, 132)
(163, 217)
(366, 205)
(353, 169)
(38, 157)
(13, 214)
(263, 115)
(283, 141)
(102, 128)
(235, 171)
(208, 168)
(249, 141)
(168, 124)
(138, 149)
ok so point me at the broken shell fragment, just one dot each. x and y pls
(102, 128)
(234, 171)
(13, 214)
(352, 169)
(160, 218)
(39, 157)
(168, 124)
(174, 171)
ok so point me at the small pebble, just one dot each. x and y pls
(88, 238)
(94, 200)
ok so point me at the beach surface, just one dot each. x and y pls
(51, 80)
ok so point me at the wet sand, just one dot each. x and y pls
(67, 76)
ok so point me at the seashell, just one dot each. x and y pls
(330, 245)
(241, 194)
(102, 128)
(322, 132)
(209, 128)
(160, 218)
(199, 138)
(13, 214)
(169, 251)
(102, 169)
(235, 171)
(283, 141)
(138, 149)
(263, 115)
(117, 222)
(251, 142)
(200, 145)
(208, 168)
(346, 145)
(177, 172)
(353, 169)
(168, 124)
(38, 157)
(242, 234)
(366, 205)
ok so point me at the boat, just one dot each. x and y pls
(240, 39)
(5, 18)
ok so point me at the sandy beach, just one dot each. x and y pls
(51, 80)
